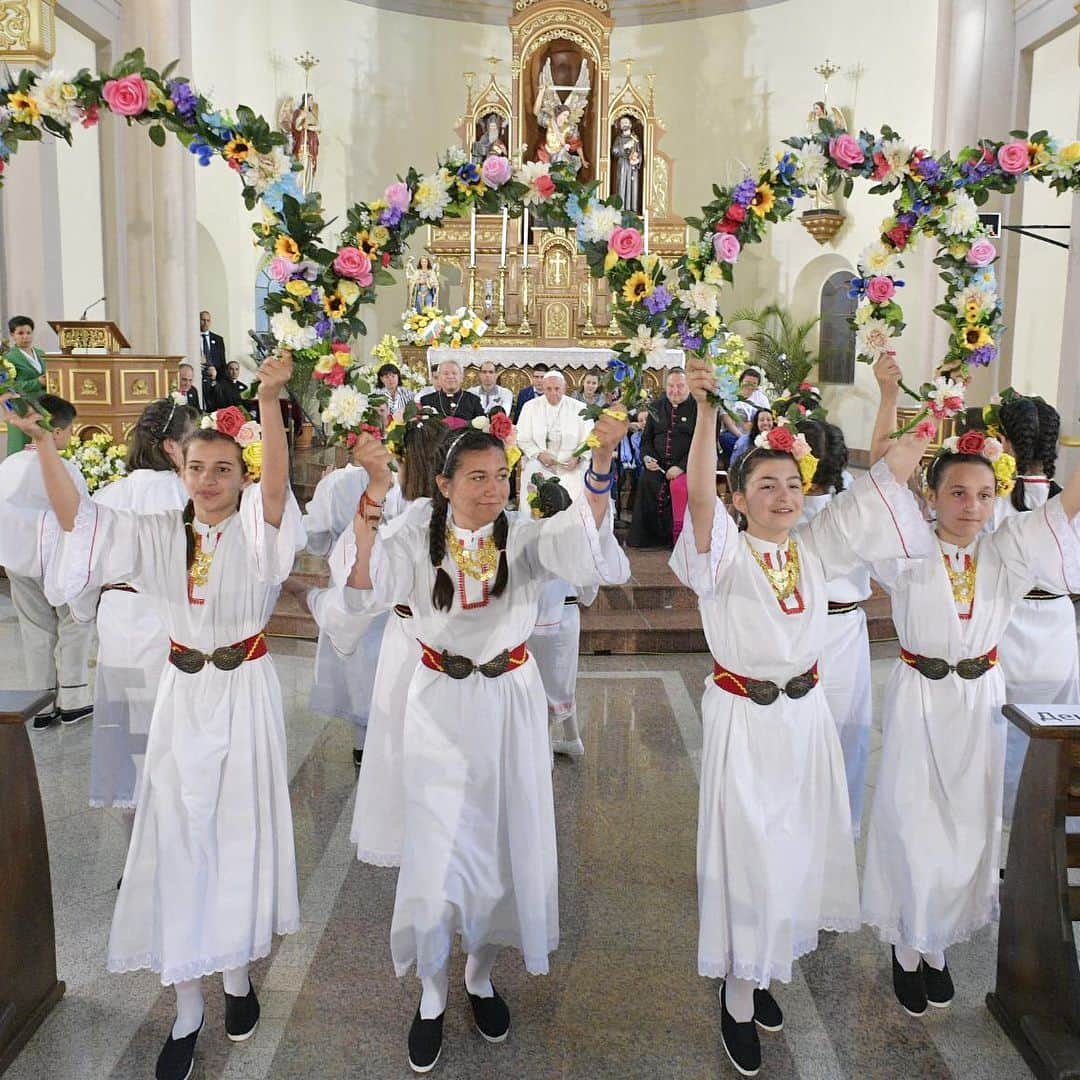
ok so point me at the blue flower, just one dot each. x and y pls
(726, 386)
(929, 170)
(202, 149)
(274, 195)
(323, 326)
(573, 210)
(659, 300)
(785, 168)
(215, 122)
(857, 288)
(469, 172)
(687, 337)
(619, 368)
(983, 356)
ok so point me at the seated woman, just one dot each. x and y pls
(763, 421)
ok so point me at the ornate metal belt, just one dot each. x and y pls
(461, 667)
(119, 587)
(403, 611)
(1042, 594)
(933, 667)
(225, 658)
(837, 608)
(763, 691)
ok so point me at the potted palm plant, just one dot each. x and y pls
(780, 345)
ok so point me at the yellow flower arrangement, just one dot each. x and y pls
(1005, 472)
(764, 200)
(637, 287)
(23, 107)
(298, 288)
(287, 248)
(975, 337)
(253, 459)
(335, 306)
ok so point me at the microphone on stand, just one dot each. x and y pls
(90, 307)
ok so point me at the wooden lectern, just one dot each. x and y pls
(1037, 996)
(28, 985)
(87, 334)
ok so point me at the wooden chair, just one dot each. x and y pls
(28, 984)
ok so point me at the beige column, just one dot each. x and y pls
(1068, 390)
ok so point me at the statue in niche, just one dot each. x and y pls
(301, 123)
(822, 199)
(490, 142)
(626, 152)
(561, 120)
(423, 282)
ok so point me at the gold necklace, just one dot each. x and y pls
(480, 564)
(784, 580)
(201, 563)
(962, 581)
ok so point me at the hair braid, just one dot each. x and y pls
(1020, 425)
(1049, 432)
(499, 534)
(188, 518)
(442, 595)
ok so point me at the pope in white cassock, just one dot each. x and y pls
(549, 430)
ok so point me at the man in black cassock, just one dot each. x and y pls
(665, 447)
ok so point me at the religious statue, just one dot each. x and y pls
(491, 142)
(822, 199)
(562, 142)
(301, 123)
(423, 282)
(626, 150)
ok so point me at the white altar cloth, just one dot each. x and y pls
(526, 356)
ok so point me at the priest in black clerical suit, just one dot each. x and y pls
(665, 448)
(448, 399)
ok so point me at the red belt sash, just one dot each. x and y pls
(461, 667)
(225, 658)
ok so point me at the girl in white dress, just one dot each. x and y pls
(133, 644)
(933, 851)
(845, 667)
(479, 856)
(211, 873)
(1038, 649)
(776, 859)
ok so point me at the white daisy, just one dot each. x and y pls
(874, 338)
(961, 216)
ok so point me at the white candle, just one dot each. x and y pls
(525, 239)
(646, 232)
(472, 236)
(502, 251)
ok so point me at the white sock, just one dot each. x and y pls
(433, 999)
(478, 967)
(935, 959)
(237, 983)
(189, 1008)
(739, 999)
(908, 958)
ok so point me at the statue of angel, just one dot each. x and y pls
(561, 119)
(301, 123)
(423, 282)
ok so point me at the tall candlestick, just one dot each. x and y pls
(472, 236)
(525, 239)
(502, 252)
(646, 232)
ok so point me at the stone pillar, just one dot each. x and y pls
(1068, 389)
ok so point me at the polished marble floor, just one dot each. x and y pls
(622, 999)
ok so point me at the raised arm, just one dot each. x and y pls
(606, 434)
(273, 375)
(888, 375)
(61, 489)
(375, 459)
(701, 464)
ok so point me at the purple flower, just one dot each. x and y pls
(929, 170)
(390, 217)
(907, 218)
(184, 98)
(323, 326)
(983, 356)
(660, 300)
(689, 339)
(745, 191)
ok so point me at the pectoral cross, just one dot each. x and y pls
(559, 263)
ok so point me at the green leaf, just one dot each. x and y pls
(169, 69)
(157, 136)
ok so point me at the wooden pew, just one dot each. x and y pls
(1037, 996)
(28, 984)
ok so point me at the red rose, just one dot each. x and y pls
(726, 226)
(340, 347)
(501, 426)
(229, 421)
(545, 186)
(899, 235)
(780, 438)
(971, 442)
(735, 212)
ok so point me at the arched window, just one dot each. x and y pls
(836, 343)
(264, 285)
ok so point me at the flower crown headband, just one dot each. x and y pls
(981, 445)
(784, 440)
(412, 418)
(238, 425)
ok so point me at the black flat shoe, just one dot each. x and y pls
(492, 1016)
(939, 986)
(909, 987)
(177, 1057)
(44, 720)
(73, 716)
(767, 1014)
(241, 1015)
(357, 758)
(425, 1043)
(741, 1043)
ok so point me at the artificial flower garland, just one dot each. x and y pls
(985, 446)
(785, 440)
(246, 432)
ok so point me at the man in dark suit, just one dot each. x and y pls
(530, 392)
(185, 383)
(211, 345)
(234, 375)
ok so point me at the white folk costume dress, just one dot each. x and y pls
(133, 648)
(210, 875)
(341, 685)
(557, 430)
(776, 859)
(479, 855)
(933, 851)
(555, 644)
(845, 667)
(1038, 649)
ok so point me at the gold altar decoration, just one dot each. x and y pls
(825, 220)
(89, 334)
(545, 295)
(27, 32)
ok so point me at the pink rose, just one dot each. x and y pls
(726, 247)
(397, 196)
(626, 243)
(496, 171)
(925, 429)
(1013, 157)
(281, 268)
(545, 186)
(846, 151)
(127, 96)
(981, 253)
(248, 434)
(351, 262)
(880, 289)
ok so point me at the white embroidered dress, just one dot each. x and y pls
(776, 858)
(211, 871)
(933, 850)
(479, 855)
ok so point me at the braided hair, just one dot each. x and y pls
(160, 420)
(203, 435)
(1049, 432)
(442, 595)
(828, 446)
(1020, 423)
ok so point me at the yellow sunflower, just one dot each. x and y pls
(365, 241)
(23, 107)
(334, 306)
(975, 337)
(288, 248)
(972, 311)
(637, 287)
(237, 149)
(763, 200)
